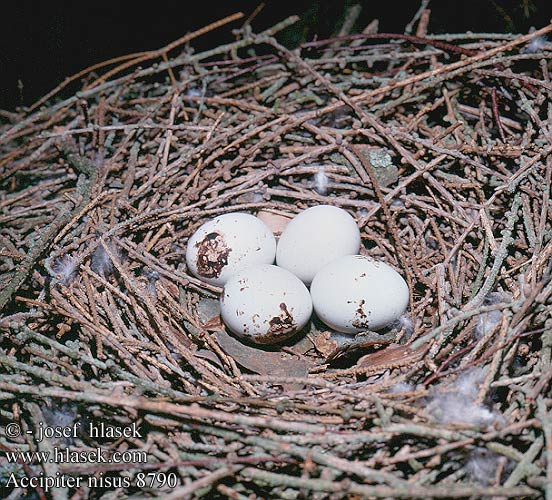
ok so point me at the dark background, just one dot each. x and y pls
(42, 42)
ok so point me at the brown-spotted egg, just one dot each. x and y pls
(265, 304)
(228, 244)
(356, 293)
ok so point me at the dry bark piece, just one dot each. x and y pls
(261, 361)
(214, 324)
(391, 356)
(207, 309)
(325, 343)
(347, 343)
(211, 356)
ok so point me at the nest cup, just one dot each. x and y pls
(445, 171)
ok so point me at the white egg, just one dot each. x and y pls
(355, 293)
(227, 244)
(314, 238)
(265, 304)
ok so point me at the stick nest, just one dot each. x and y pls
(438, 146)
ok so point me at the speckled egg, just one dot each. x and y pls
(314, 238)
(228, 244)
(356, 293)
(265, 304)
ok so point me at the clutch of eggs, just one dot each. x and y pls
(266, 304)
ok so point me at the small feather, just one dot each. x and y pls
(101, 262)
(321, 181)
(65, 269)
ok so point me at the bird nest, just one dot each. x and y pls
(438, 146)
